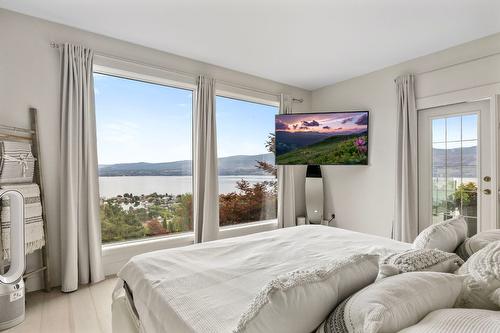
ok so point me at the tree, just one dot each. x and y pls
(251, 202)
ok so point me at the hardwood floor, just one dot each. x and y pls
(87, 310)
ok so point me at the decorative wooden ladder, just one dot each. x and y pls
(31, 135)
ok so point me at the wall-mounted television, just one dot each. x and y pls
(330, 138)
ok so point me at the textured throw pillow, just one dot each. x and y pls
(458, 321)
(445, 236)
(477, 242)
(431, 260)
(299, 301)
(394, 303)
(483, 279)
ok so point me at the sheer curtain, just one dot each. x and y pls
(286, 181)
(205, 169)
(405, 223)
(79, 212)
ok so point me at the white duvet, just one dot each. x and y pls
(206, 287)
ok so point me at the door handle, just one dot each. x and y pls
(487, 191)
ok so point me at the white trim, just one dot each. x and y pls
(114, 256)
(243, 95)
(473, 94)
(132, 75)
(247, 228)
(458, 96)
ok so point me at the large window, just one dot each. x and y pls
(144, 152)
(247, 174)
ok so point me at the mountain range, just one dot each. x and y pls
(460, 161)
(232, 165)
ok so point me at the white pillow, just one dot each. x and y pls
(299, 301)
(431, 260)
(483, 279)
(477, 242)
(394, 303)
(445, 236)
(458, 321)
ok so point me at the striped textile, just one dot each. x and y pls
(33, 218)
(458, 321)
(17, 163)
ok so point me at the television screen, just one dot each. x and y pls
(333, 138)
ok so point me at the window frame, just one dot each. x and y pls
(256, 100)
(128, 75)
(115, 255)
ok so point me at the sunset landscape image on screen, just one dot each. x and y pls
(322, 138)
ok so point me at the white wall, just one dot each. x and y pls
(362, 197)
(29, 76)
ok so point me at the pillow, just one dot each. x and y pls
(458, 321)
(300, 300)
(445, 236)
(483, 279)
(477, 242)
(394, 303)
(419, 260)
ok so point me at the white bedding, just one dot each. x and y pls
(206, 287)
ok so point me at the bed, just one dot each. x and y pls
(206, 287)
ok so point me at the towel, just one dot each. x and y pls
(17, 163)
(33, 218)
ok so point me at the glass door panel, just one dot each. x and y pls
(454, 156)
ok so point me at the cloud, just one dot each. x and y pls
(339, 128)
(281, 125)
(363, 120)
(347, 120)
(295, 126)
(312, 123)
(303, 127)
(326, 127)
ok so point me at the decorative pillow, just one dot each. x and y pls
(394, 303)
(300, 300)
(458, 321)
(445, 236)
(477, 242)
(431, 260)
(483, 279)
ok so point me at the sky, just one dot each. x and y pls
(144, 122)
(346, 122)
(456, 131)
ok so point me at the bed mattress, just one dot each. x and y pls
(206, 287)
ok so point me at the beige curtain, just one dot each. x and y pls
(405, 223)
(205, 169)
(79, 201)
(286, 181)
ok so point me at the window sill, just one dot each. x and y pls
(115, 255)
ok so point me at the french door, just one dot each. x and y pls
(455, 157)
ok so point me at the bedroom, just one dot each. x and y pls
(278, 57)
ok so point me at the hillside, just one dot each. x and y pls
(231, 165)
(461, 161)
(338, 149)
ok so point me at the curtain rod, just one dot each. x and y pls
(181, 73)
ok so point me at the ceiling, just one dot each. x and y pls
(304, 43)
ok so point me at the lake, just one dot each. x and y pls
(113, 186)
